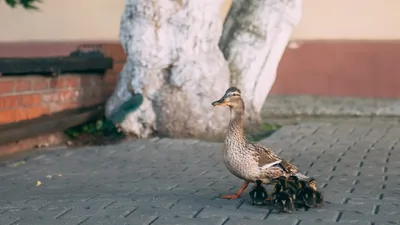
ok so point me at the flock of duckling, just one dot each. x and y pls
(254, 163)
(288, 194)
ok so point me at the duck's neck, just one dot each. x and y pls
(235, 136)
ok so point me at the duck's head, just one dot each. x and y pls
(231, 98)
(294, 178)
(313, 184)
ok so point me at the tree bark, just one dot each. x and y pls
(174, 62)
(255, 36)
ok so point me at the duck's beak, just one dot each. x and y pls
(220, 102)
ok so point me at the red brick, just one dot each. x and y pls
(24, 84)
(67, 96)
(110, 79)
(9, 116)
(34, 112)
(15, 115)
(40, 83)
(98, 81)
(9, 102)
(53, 97)
(56, 83)
(71, 81)
(91, 80)
(86, 81)
(6, 86)
(61, 96)
(66, 106)
(54, 108)
(50, 97)
(31, 100)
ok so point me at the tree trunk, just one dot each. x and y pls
(255, 36)
(174, 62)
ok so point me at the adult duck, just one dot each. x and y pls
(249, 161)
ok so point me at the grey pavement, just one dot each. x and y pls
(167, 181)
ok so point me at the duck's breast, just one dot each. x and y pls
(241, 165)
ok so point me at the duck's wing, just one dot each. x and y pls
(267, 158)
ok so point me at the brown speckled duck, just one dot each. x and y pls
(245, 160)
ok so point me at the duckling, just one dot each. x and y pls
(312, 183)
(289, 186)
(299, 202)
(282, 199)
(305, 197)
(258, 194)
(319, 199)
(294, 179)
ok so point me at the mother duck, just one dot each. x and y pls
(245, 160)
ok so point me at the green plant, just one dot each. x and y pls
(101, 126)
(26, 4)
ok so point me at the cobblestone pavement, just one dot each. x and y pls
(164, 181)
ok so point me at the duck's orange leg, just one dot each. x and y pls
(238, 193)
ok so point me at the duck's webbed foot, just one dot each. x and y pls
(238, 193)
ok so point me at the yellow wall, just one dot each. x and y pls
(61, 20)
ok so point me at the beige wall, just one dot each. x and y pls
(61, 20)
(349, 19)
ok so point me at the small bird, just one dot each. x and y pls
(319, 199)
(312, 183)
(282, 199)
(258, 194)
(305, 197)
(289, 186)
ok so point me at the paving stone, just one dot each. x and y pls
(322, 215)
(233, 221)
(50, 221)
(189, 221)
(6, 220)
(210, 211)
(112, 220)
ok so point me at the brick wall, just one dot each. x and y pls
(28, 97)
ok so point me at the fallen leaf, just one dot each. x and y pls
(38, 183)
(19, 163)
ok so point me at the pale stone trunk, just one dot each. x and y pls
(174, 61)
(255, 36)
